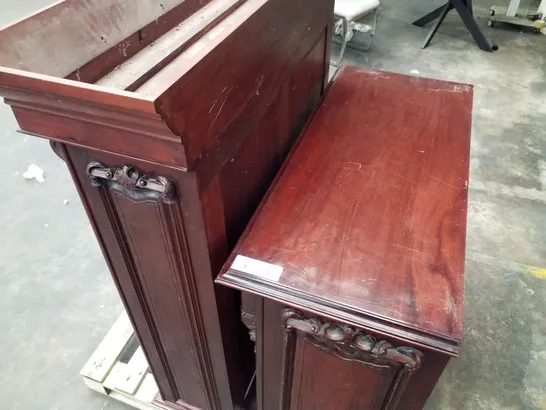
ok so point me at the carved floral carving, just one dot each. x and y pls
(131, 181)
(351, 343)
(250, 322)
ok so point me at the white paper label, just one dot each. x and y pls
(257, 268)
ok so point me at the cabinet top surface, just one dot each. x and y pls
(369, 213)
(131, 51)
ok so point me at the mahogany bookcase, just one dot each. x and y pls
(173, 117)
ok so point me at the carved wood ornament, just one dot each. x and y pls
(350, 344)
(250, 322)
(131, 182)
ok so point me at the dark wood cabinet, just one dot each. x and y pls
(352, 269)
(335, 365)
(173, 118)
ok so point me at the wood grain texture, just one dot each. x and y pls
(315, 348)
(43, 89)
(164, 251)
(252, 157)
(368, 217)
(61, 38)
(132, 45)
(206, 113)
(252, 160)
(149, 252)
(312, 374)
(146, 135)
(136, 70)
(180, 103)
(269, 354)
(315, 375)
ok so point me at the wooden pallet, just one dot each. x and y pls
(118, 368)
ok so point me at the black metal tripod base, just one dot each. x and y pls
(464, 8)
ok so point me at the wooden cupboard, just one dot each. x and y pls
(352, 269)
(173, 117)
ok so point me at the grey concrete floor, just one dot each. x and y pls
(57, 300)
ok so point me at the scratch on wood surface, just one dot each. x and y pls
(405, 178)
(243, 105)
(324, 228)
(260, 82)
(302, 274)
(406, 248)
(123, 46)
(376, 74)
(444, 90)
(359, 165)
(298, 268)
(221, 107)
(457, 88)
(449, 304)
(282, 251)
(441, 181)
(213, 105)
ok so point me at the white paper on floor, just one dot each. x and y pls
(34, 172)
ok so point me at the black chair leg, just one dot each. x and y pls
(471, 25)
(464, 8)
(468, 4)
(423, 21)
(434, 29)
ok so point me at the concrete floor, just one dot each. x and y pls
(57, 300)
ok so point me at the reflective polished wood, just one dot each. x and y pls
(367, 221)
(173, 117)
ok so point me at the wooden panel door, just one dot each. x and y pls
(330, 365)
(148, 222)
(306, 362)
(353, 384)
